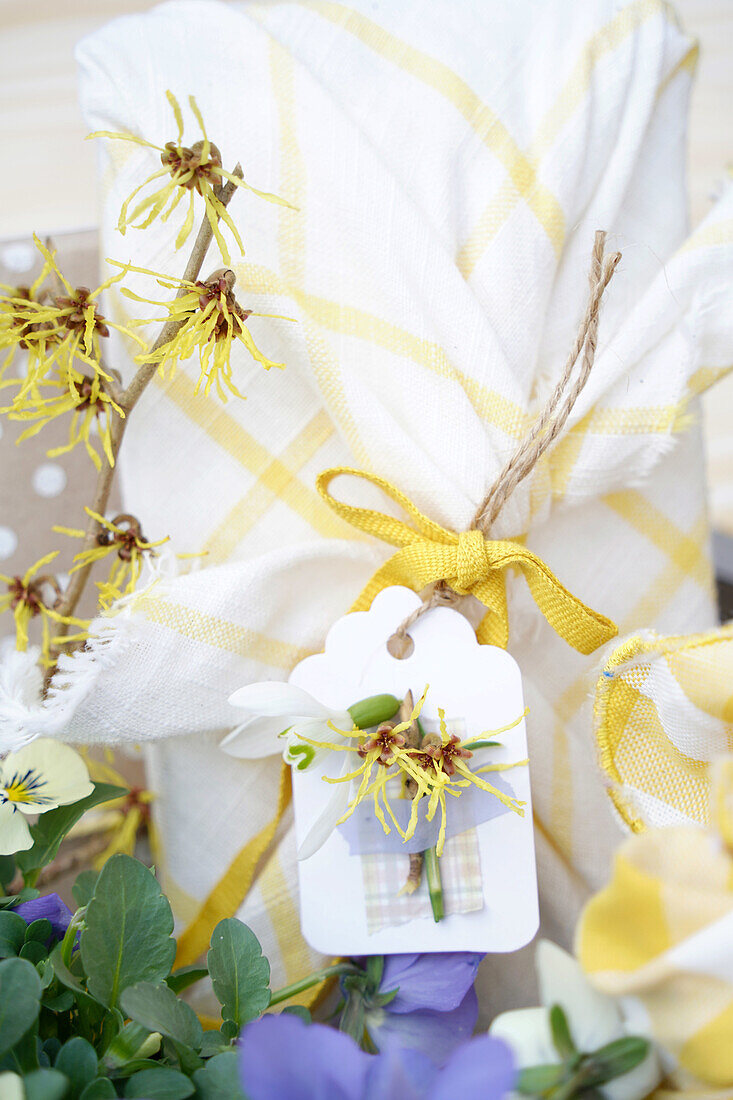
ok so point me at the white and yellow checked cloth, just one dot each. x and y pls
(660, 935)
(451, 163)
(663, 713)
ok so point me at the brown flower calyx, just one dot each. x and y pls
(446, 753)
(85, 395)
(384, 741)
(31, 595)
(127, 538)
(27, 328)
(219, 289)
(75, 319)
(182, 161)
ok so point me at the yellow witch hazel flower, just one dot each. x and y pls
(39, 777)
(26, 598)
(60, 330)
(17, 332)
(438, 768)
(212, 320)
(121, 537)
(86, 399)
(194, 170)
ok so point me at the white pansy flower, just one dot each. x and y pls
(278, 715)
(39, 777)
(594, 1020)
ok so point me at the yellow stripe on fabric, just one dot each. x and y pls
(220, 633)
(231, 890)
(684, 550)
(492, 407)
(231, 437)
(278, 474)
(571, 95)
(486, 124)
(296, 957)
(292, 242)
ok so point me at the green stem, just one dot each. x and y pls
(431, 863)
(289, 991)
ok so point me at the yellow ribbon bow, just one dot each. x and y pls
(468, 563)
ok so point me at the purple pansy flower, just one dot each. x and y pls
(435, 1009)
(49, 906)
(282, 1058)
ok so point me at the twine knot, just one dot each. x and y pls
(470, 562)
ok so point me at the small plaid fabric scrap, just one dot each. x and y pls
(384, 876)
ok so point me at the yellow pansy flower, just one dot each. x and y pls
(192, 170)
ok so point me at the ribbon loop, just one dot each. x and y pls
(469, 563)
(472, 566)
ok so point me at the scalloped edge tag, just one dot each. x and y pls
(482, 685)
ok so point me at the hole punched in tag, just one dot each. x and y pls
(400, 644)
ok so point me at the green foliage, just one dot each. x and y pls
(99, 1014)
(52, 827)
(579, 1074)
(158, 1008)
(127, 934)
(239, 973)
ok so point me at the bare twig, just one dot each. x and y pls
(127, 399)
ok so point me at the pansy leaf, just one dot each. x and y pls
(185, 977)
(213, 1042)
(40, 930)
(219, 1079)
(28, 893)
(20, 1001)
(7, 871)
(101, 1089)
(157, 1008)
(561, 1037)
(159, 1084)
(33, 951)
(77, 1060)
(83, 888)
(12, 933)
(45, 1084)
(239, 973)
(538, 1079)
(52, 827)
(127, 933)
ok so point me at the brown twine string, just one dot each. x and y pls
(542, 435)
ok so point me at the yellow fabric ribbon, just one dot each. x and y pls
(469, 563)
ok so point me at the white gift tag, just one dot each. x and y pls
(343, 896)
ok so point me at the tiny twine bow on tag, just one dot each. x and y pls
(469, 562)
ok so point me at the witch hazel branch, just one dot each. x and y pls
(53, 336)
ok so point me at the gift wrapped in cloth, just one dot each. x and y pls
(450, 165)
